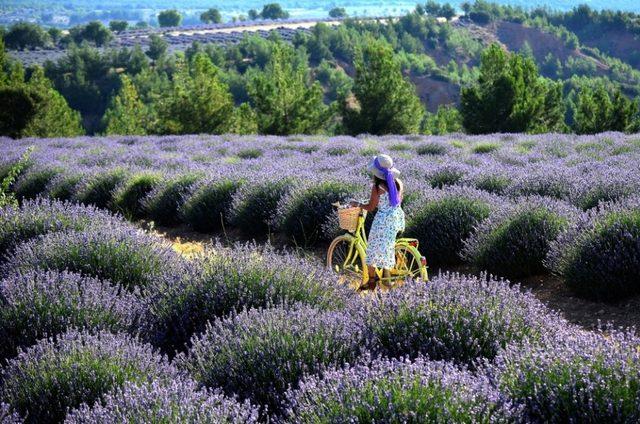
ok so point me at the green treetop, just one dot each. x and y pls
(383, 101)
(284, 98)
(169, 18)
(126, 115)
(510, 96)
(211, 16)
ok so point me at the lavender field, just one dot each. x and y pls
(102, 321)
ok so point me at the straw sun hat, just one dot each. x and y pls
(384, 161)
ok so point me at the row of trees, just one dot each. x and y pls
(509, 96)
(282, 98)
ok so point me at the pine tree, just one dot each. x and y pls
(382, 101)
(446, 120)
(283, 97)
(157, 47)
(33, 108)
(199, 102)
(597, 111)
(510, 96)
(126, 115)
(53, 116)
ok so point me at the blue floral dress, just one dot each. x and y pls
(388, 222)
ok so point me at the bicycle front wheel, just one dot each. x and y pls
(347, 258)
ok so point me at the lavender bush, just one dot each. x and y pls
(514, 241)
(258, 354)
(123, 256)
(305, 210)
(7, 416)
(454, 317)
(37, 217)
(54, 375)
(46, 303)
(599, 257)
(399, 391)
(64, 186)
(169, 402)
(575, 376)
(34, 182)
(446, 175)
(255, 205)
(98, 190)
(206, 208)
(446, 218)
(163, 204)
(128, 197)
(228, 280)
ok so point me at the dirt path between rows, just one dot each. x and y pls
(548, 289)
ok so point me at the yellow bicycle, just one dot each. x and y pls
(347, 253)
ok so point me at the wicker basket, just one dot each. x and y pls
(348, 218)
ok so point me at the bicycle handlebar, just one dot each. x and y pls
(339, 205)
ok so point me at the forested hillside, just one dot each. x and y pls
(492, 69)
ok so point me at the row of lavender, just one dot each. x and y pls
(102, 322)
(512, 205)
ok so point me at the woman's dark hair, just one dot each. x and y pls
(379, 181)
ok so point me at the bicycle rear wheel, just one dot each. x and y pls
(347, 258)
(409, 263)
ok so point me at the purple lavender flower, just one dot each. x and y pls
(47, 379)
(37, 217)
(46, 303)
(398, 391)
(258, 354)
(454, 317)
(227, 280)
(171, 402)
(514, 240)
(442, 219)
(7, 416)
(574, 376)
(599, 256)
(123, 256)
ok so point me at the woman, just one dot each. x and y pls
(386, 195)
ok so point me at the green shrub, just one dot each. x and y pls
(231, 279)
(305, 210)
(54, 375)
(99, 189)
(432, 148)
(515, 241)
(128, 197)
(255, 205)
(64, 186)
(206, 209)
(34, 182)
(259, 354)
(485, 147)
(599, 259)
(163, 204)
(445, 221)
(250, 153)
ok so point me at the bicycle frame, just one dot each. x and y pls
(358, 240)
(358, 243)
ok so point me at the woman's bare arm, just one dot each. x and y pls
(373, 201)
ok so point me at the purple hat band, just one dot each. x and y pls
(394, 198)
